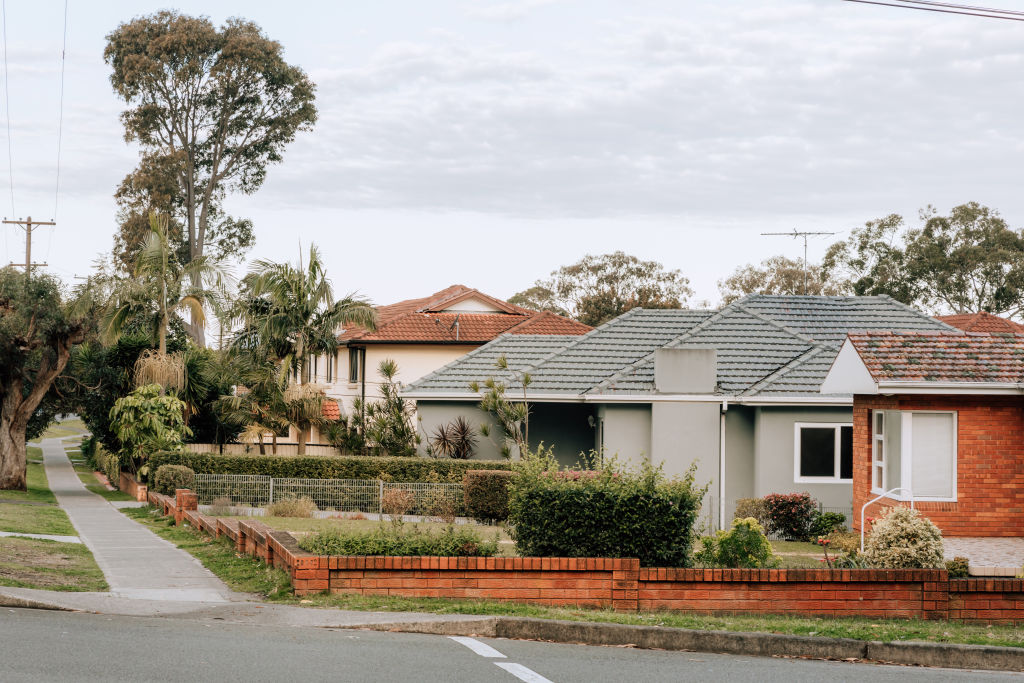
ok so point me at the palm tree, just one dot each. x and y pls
(161, 287)
(257, 407)
(292, 314)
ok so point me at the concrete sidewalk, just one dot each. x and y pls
(136, 563)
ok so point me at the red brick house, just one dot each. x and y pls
(941, 416)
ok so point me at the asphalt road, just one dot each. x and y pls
(40, 645)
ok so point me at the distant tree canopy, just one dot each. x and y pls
(777, 275)
(598, 288)
(967, 261)
(211, 109)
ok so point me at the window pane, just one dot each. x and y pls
(846, 452)
(933, 442)
(817, 452)
(353, 365)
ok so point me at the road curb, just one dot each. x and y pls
(727, 642)
(28, 603)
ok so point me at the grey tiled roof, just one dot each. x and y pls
(766, 345)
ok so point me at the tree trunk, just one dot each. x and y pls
(12, 456)
(273, 443)
(302, 439)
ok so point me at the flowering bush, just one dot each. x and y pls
(790, 515)
(744, 546)
(903, 539)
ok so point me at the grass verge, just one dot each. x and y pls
(88, 478)
(35, 519)
(38, 488)
(48, 565)
(246, 574)
(59, 430)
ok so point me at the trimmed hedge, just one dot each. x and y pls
(170, 478)
(327, 466)
(606, 514)
(401, 541)
(485, 493)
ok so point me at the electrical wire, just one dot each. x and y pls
(947, 8)
(7, 105)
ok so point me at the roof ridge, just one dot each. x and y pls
(670, 344)
(772, 321)
(914, 310)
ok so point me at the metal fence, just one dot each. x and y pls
(343, 495)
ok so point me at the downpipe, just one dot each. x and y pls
(721, 465)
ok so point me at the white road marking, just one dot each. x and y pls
(522, 673)
(482, 649)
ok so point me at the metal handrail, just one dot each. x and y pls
(877, 498)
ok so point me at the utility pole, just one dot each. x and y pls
(795, 234)
(28, 226)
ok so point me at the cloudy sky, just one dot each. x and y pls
(487, 142)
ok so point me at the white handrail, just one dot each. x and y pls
(877, 498)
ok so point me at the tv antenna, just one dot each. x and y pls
(796, 234)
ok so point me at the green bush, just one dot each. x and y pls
(401, 541)
(109, 464)
(790, 515)
(292, 507)
(485, 493)
(89, 450)
(958, 568)
(824, 523)
(170, 478)
(903, 539)
(327, 467)
(603, 513)
(752, 507)
(744, 546)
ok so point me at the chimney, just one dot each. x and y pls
(686, 370)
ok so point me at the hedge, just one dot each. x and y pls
(605, 514)
(170, 478)
(327, 466)
(485, 493)
(401, 541)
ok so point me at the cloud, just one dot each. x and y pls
(505, 11)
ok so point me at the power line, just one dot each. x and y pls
(947, 8)
(7, 104)
(60, 118)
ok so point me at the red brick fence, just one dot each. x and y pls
(621, 583)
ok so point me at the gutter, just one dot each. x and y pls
(924, 387)
(827, 401)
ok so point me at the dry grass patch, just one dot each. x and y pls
(48, 565)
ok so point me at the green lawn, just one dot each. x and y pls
(38, 487)
(88, 477)
(48, 565)
(35, 519)
(243, 573)
(59, 430)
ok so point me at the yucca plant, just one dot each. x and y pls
(456, 440)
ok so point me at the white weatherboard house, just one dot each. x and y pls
(735, 390)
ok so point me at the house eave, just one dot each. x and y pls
(753, 401)
(964, 388)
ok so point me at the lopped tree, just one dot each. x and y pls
(288, 314)
(38, 329)
(211, 108)
(598, 288)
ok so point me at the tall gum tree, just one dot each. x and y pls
(37, 332)
(211, 109)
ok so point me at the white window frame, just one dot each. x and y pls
(836, 426)
(879, 461)
(907, 447)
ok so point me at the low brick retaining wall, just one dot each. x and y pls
(128, 484)
(620, 583)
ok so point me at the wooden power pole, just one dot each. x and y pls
(28, 226)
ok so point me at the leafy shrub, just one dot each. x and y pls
(485, 493)
(292, 507)
(169, 478)
(790, 515)
(109, 464)
(397, 502)
(903, 539)
(752, 507)
(958, 568)
(401, 540)
(441, 503)
(147, 421)
(744, 546)
(89, 450)
(222, 506)
(613, 513)
(328, 467)
(824, 523)
(844, 541)
(456, 440)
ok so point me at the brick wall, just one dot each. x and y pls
(620, 583)
(990, 463)
(133, 488)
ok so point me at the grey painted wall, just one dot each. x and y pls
(627, 431)
(434, 413)
(682, 433)
(740, 424)
(775, 443)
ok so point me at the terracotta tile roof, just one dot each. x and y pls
(981, 322)
(941, 356)
(331, 410)
(426, 320)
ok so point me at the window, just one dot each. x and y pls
(879, 480)
(353, 366)
(824, 452)
(330, 367)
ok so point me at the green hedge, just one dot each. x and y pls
(485, 493)
(170, 478)
(327, 467)
(401, 541)
(603, 513)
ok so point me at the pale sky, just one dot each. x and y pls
(488, 142)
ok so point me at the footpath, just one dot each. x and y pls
(149, 576)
